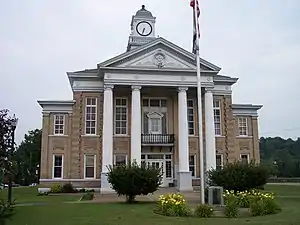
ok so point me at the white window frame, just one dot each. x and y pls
(115, 114)
(95, 158)
(121, 154)
(62, 166)
(195, 165)
(241, 122)
(156, 116)
(85, 116)
(59, 124)
(193, 108)
(222, 160)
(215, 115)
(248, 157)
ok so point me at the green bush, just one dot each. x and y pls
(7, 210)
(263, 206)
(132, 180)
(172, 205)
(56, 188)
(239, 177)
(231, 207)
(68, 188)
(87, 196)
(204, 211)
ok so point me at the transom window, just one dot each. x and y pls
(91, 115)
(217, 116)
(59, 123)
(154, 102)
(191, 118)
(121, 116)
(243, 126)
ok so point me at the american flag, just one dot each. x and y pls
(195, 4)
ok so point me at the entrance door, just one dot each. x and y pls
(159, 165)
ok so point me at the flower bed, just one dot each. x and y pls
(237, 204)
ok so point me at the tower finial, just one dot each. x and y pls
(143, 6)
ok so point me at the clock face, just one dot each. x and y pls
(144, 28)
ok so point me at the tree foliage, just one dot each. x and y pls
(282, 156)
(28, 156)
(132, 180)
(239, 177)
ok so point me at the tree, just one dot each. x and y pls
(28, 156)
(132, 180)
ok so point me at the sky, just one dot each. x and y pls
(257, 41)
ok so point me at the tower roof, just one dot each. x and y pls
(143, 12)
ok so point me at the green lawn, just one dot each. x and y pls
(121, 214)
(29, 195)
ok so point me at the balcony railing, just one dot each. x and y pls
(157, 139)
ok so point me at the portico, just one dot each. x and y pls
(158, 132)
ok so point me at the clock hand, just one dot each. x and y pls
(143, 30)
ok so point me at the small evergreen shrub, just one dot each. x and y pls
(204, 211)
(172, 205)
(231, 207)
(132, 180)
(56, 188)
(87, 196)
(68, 188)
(239, 177)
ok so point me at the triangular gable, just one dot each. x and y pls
(159, 53)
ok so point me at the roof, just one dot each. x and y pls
(143, 13)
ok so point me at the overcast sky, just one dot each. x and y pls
(255, 40)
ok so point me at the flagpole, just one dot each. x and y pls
(199, 99)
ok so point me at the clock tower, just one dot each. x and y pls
(142, 28)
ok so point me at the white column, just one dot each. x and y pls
(136, 124)
(210, 142)
(107, 137)
(184, 176)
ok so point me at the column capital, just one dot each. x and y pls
(182, 89)
(209, 89)
(108, 87)
(136, 87)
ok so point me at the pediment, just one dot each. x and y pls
(158, 54)
(155, 115)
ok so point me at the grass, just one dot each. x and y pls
(29, 195)
(117, 214)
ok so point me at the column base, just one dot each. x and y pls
(105, 186)
(184, 181)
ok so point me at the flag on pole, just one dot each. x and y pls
(196, 31)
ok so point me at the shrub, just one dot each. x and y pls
(172, 205)
(68, 188)
(263, 206)
(132, 180)
(204, 211)
(87, 196)
(56, 188)
(7, 210)
(231, 207)
(239, 177)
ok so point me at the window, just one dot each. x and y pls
(121, 116)
(154, 103)
(89, 166)
(168, 166)
(90, 116)
(58, 161)
(217, 116)
(245, 158)
(243, 127)
(120, 159)
(192, 163)
(190, 114)
(219, 161)
(59, 123)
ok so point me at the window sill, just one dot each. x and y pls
(58, 135)
(219, 136)
(121, 135)
(244, 136)
(90, 135)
